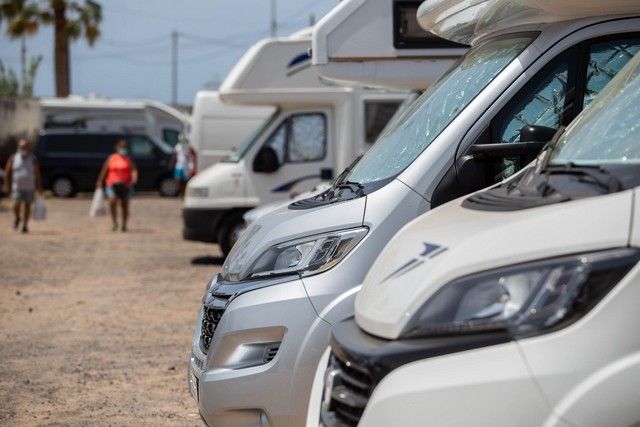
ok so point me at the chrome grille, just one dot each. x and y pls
(347, 390)
(210, 319)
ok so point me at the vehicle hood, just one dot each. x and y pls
(451, 241)
(221, 179)
(284, 224)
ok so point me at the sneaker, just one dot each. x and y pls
(114, 226)
(16, 223)
(124, 228)
(25, 229)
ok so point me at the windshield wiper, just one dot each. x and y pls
(355, 187)
(594, 174)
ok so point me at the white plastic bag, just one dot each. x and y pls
(39, 209)
(97, 204)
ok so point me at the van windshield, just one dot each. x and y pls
(410, 133)
(238, 154)
(608, 131)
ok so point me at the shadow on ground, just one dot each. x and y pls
(207, 260)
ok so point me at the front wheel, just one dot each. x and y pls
(230, 231)
(63, 187)
(168, 187)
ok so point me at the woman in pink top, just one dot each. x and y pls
(121, 175)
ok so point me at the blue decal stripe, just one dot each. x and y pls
(289, 185)
(299, 60)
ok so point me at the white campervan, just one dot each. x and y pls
(309, 138)
(513, 306)
(217, 129)
(90, 114)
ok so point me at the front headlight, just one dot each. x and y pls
(524, 299)
(309, 255)
(197, 192)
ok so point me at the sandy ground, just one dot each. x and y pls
(95, 326)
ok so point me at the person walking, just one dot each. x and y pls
(121, 176)
(183, 162)
(22, 176)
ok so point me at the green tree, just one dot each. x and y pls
(70, 19)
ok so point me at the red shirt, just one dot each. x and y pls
(118, 170)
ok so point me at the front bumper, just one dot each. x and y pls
(359, 362)
(237, 384)
(201, 224)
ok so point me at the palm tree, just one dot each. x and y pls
(70, 21)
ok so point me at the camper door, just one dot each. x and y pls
(295, 156)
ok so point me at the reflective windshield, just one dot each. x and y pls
(409, 134)
(608, 131)
(237, 155)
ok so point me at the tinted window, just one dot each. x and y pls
(79, 145)
(140, 146)
(307, 139)
(376, 116)
(170, 136)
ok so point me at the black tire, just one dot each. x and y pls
(228, 233)
(63, 186)
(167, 187)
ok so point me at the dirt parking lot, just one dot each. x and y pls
(95, 325)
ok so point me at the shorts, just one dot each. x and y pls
(23, 196)
(181, 174)
(111, 194)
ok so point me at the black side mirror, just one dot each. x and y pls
(326, 174)
(266, 160)
(535, 133)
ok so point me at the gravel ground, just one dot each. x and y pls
(95, 325)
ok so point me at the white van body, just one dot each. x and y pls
(217, 129)
(91, 114)
(379, 43)
(513, 306)
(311, 133)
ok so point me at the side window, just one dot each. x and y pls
(140, 146)
(605, 59)
(170, 136)
(376, 116)
(307, 138)
(543, 101)
(277, 141)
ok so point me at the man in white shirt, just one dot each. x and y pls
(22, 176)
(183, 162)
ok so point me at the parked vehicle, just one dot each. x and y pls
(218, 129)
(309, 138)
(515, 302)
(71, 162)
(91, 114)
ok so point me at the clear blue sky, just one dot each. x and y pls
(132, 59)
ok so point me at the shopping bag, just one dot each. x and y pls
(39, 209)
(97, 203)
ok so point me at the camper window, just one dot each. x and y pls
(376, 116)
(277, 141)
(307, 140)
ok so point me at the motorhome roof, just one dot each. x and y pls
(120, 104)
(463, 21)
(360, 41)
(273, 71)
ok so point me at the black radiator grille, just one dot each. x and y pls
(347, 390)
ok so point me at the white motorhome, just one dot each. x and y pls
(266, 318)
(512, 306)
(309, 138)
(218, 129)
(90, 114)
